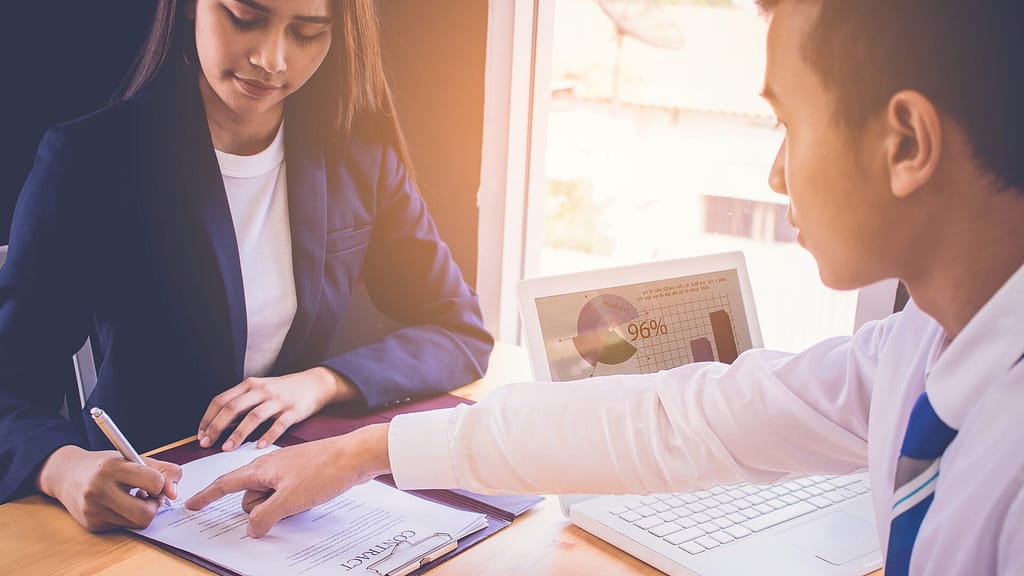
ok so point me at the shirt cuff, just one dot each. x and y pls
(419, 448)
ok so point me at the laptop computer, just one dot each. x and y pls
(649, 317)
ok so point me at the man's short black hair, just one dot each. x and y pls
(966, 56)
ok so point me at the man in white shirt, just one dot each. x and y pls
(902, 159)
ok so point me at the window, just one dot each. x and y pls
(645, 138)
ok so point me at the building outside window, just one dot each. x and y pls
(658, 146)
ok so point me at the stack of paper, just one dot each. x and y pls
(371, 529)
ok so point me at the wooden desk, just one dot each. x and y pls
(38, 537)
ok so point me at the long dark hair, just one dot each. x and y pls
(348, 95)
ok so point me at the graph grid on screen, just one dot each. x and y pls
(645, 327)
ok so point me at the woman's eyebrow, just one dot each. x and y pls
(312, 19)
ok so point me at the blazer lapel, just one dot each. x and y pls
(207, 187)
(307, 215)
(200, 235)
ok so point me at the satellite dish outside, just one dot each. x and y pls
(644, 20)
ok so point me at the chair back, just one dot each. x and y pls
(83, 360)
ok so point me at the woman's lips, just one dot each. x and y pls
(256, 88)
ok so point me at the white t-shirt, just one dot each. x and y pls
(257, 189)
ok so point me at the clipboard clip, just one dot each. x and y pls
(408, 556)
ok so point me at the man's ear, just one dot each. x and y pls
(913, 142)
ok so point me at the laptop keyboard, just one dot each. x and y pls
(699, 521)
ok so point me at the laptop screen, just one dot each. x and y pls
(639, 319)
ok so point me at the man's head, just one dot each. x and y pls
(888, 105)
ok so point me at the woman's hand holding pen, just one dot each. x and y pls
(297, 478)
(94, 487)
(285, 399)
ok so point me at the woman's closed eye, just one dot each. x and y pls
(303, 38)
(242, 23)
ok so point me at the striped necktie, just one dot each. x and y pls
(917, 472)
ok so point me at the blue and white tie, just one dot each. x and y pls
(917, 472)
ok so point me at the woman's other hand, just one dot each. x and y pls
(285, 399)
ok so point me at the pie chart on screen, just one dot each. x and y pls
(601, 328)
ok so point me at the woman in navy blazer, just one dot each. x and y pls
(123, 230)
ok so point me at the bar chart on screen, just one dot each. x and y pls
(645, 327)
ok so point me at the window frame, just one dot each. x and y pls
(517, 82)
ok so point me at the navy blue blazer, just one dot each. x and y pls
(123, 229)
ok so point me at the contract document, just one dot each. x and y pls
(373, 529)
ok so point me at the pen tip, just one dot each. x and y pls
(96, 412)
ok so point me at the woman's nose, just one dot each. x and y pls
(270, 54)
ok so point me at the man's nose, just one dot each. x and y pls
(777, 175)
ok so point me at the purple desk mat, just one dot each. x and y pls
(338, 420)
(333, 421)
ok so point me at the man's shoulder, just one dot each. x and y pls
(900, 333)
(1003, 402)
(992, 429)
(912, 327)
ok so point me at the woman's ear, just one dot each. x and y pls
(913, 142)
(188, 8)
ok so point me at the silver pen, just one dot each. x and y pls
(113, 433)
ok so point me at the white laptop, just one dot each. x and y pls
(649, 317)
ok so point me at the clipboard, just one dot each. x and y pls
(406, 557)
(419, 557)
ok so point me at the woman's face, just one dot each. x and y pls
(254, 53)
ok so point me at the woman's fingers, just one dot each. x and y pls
(218, 404)
(171, 473)
(130, 511)
(283, 422)
(230, 412)
(252, 420)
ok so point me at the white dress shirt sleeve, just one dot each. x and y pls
(767, 415)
